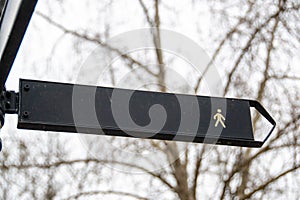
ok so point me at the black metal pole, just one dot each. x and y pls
(15, 38)
(1, 116)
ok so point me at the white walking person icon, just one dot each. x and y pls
(220, 118)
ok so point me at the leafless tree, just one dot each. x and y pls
(252, 42)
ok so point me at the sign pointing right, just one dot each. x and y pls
(51, 106)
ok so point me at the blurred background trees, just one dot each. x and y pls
(253, 44)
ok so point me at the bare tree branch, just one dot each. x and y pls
(220, 46)
(149, 20)
(97, 41)
(107, 192)
(248, 45)
(270, 181)
(86, 161)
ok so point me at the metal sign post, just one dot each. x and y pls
(13, 24)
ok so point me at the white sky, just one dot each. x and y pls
(36, 51)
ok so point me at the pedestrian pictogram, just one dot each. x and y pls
(220, 118)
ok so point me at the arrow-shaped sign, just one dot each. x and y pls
(64, 107)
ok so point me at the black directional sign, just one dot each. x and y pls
(99, 110)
